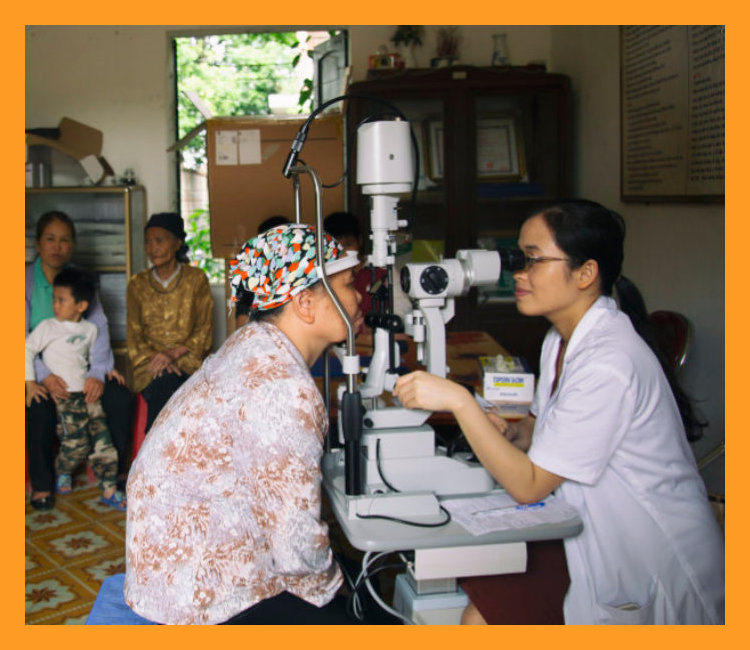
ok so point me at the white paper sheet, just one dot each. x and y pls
(226, 147)
(249, 143)
(486, 514)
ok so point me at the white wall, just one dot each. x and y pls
(674, 251)
(118, 79)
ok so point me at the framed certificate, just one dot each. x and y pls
(499, 150)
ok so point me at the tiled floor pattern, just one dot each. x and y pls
(69, 551)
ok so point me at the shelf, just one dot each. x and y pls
(87, 189)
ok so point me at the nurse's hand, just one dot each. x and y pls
(502, 426)
(421, 390)
(520, 432)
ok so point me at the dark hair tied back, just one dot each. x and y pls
(585, 230)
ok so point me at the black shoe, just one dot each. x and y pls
(45, 503)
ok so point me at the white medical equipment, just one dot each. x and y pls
(390, 465)
(390, 471)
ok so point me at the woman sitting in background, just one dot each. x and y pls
(170, 315)
(55, 241)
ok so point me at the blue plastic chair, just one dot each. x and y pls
(110, 607)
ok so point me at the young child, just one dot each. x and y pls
(65, 343)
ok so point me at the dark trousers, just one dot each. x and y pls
(532, 598)
(286, 609)
(41, 440)
(158, 392)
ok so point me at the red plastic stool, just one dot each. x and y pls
(28, 479)
(139, 424)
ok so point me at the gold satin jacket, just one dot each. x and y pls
(160, 318)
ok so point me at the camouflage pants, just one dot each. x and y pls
(84, 434)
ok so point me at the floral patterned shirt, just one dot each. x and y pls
(224, 497)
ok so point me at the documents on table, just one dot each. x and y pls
(486, 514)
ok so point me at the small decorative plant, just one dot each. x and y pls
(408, 35)
(448, 40)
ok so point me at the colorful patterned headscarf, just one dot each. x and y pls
(279, 263)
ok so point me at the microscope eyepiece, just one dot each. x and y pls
(512, 259)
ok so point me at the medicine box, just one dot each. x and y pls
(506, 380)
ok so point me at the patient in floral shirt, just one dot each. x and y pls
(224, 497)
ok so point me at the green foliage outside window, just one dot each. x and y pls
(199, 242)
(234, 74)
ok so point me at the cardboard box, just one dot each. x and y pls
(512, 386)
(80, 142)
(246, 156)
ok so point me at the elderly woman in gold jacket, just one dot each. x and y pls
(170, 309)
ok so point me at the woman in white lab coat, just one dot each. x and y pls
(607, 432)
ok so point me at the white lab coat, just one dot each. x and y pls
(651, 550)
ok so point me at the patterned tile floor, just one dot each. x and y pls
(69, 551)
(72, 548)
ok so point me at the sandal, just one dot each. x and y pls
(43, 503)
(64, 484)
(115, 501)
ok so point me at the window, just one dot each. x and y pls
(233, 74)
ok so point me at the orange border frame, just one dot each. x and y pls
(339, 12)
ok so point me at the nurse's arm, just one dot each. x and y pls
(508, 465)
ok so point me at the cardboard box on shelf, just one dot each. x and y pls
(78, 141)
(245, 181)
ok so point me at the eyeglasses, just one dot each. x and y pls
(531, 261)
(514, 259)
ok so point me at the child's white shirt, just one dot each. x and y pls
(65, 347)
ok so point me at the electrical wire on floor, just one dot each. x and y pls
(368, 571)
(418, 524)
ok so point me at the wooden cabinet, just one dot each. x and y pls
(109, 224)
(494, 145)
